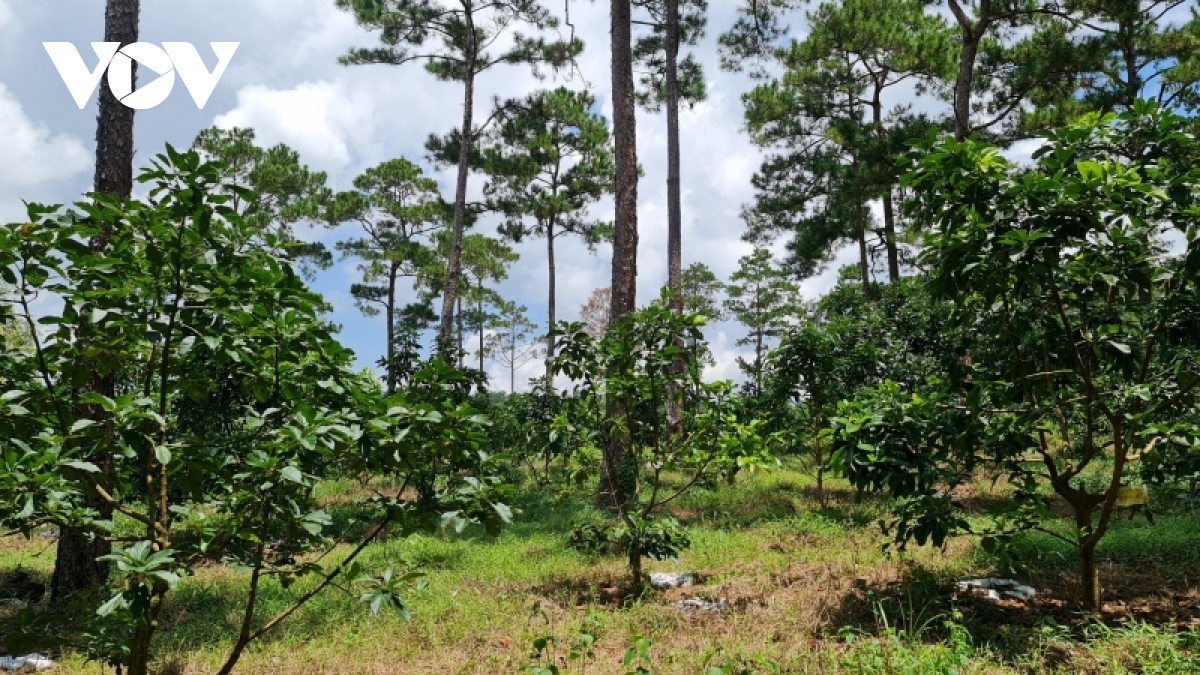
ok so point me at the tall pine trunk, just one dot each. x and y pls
(864, 259)
(454, 260)
(550, 314)
(971, 33)
(625, 235)
(391, 330)
(863, 214)
(462, 352)
(479, 320)
(674, 209)
(758, 357)
(963, 84)
(889, 214)
(76, 567)
(889, 233)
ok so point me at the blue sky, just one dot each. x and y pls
(285, 82)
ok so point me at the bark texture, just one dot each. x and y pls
(454, 261)
(972, 33)
(551, 315)
(76, 568)
(625, 236)
(674, 205)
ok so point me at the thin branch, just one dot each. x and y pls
(327, 580)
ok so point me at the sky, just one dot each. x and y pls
(285, 83)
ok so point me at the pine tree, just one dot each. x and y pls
(762, 298)
(512, 344)
(826, 116)
(667, 82)
(465, 29)
(618, 444)
(76, 565)
(286, 193)
(547, 159)
(1102, 56)
(397, 209)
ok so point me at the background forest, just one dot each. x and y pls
(931, 316)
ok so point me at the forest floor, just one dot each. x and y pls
(809, 590)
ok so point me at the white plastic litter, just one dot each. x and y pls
(664, 580)
(703, 605)
(30, 663)
(998, 589)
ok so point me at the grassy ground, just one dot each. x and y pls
(810, 591)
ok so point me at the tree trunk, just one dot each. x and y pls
(247, 622)
(479, 320)
(462, 354)
(114, 125)
(1089, 578)
(1133, 84)
(625, 236)
(635, 571)
(889, 215)
(674, 209)
(143, 633)
(391, 330)
(75, 567)
(863, 258)
(819, 458)
(550, 315)
(889, 234)
(758, 354)
(963, 84)
(454, 261)
(972, 34)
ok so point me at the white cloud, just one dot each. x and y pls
(322, 121)
(8, 19)
(1021, 152)
(344, 119)
(32, 155)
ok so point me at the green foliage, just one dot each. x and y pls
(833, 145)
(763, 299)
(911, 446)
(451, 37)
(846, 344)
(396, 208)
(231, 394)
(1100, 57)
(581, 649)
(650, 53)
(431, 438)
(756, 34)
(1065, 264)
(701, 291)
(482, 260)
(638, 656)
(633, 363)
(544, 434)
(286, 193)
(548, 157)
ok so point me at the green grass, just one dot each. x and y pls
(811, 591)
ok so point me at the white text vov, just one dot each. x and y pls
(117, 61)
